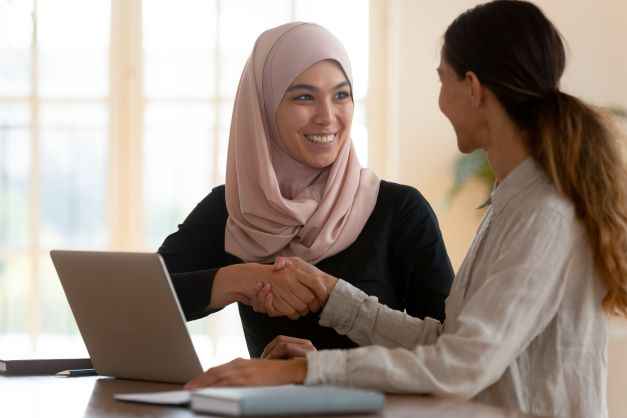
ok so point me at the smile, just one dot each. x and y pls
(321, 139)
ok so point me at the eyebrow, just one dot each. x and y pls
(304, 86)
(439, 70)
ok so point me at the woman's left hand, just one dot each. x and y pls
(283, 346)
(254, 372)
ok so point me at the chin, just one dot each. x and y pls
(324, 160)
(465, 150)
(321, 164)
(464, 147)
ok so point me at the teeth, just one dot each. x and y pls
(321, 139)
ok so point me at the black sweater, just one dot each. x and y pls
(399, 257)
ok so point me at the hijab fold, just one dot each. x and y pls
(276, 204)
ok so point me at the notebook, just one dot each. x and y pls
(286, 400)
(268, 400)
(128, 314)
(25, 365)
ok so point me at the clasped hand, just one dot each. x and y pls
(294, 289)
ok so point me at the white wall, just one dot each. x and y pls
(411, 142)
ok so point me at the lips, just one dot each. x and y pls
(321, 139)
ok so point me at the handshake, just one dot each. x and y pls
(290, 287)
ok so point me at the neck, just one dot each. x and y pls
(501, 166)
(507, 148)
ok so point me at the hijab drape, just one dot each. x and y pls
(276, 204)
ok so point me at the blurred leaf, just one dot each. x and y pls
(467, 167)
(618, 111)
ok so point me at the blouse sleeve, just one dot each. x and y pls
(421, 264)
(195, 252)
(364, 320)
(512, 305)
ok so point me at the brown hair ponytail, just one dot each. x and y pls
(584, 159)
(518, 53)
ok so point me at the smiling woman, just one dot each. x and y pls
(99, 131)
(315, 115)
(294, 186)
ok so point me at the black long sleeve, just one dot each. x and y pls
(399, 257)
(195, 252)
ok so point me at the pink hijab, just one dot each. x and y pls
(277, 205)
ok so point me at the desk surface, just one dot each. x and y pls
(92, 397)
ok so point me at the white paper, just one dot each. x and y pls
(172, 397)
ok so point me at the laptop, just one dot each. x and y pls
(128, 314)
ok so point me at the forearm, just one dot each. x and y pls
(364, 320)
(232, 280)
(423, 370)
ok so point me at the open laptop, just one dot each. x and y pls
(128, 314)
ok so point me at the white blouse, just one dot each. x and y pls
(524, 329)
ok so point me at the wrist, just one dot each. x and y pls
(298, 370)
(232, 280)
(329, 283)
(249, 275)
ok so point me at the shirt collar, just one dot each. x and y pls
(520, 178)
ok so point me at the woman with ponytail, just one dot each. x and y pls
(526, 320)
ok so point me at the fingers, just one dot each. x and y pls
(280, 263)
(315, 292)
(304, 293)
(262, 301)
(240, 372)
(314, 279)
(215, 376)
(243, 299)
(260, 291)
(295, 292)
(265, 295)
(301, 264)
(287, 347)
(287, 291)
(286, 309)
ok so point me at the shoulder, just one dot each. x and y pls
(405, 207)
(540, 211)
(211, 206)
(218, 191)
(402, 197)
(216, 196)
(528, 190)
(396, 192)
(542, 197)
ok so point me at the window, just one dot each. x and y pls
(114, 119)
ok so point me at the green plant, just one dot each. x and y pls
(476, 166)
(467, 167)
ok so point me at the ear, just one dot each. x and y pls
(476, 93)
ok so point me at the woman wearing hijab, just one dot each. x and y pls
(294, 187)
(526, 320)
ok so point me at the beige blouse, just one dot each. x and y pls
(524, 326)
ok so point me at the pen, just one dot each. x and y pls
(77, 372)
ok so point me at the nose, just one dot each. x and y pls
(325, 113)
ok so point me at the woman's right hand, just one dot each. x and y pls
(309, 275)
(282, 292)
(265, 295)
(289, 296)
(293, 288)
(284, 347)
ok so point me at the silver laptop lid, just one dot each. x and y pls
(128, 314)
